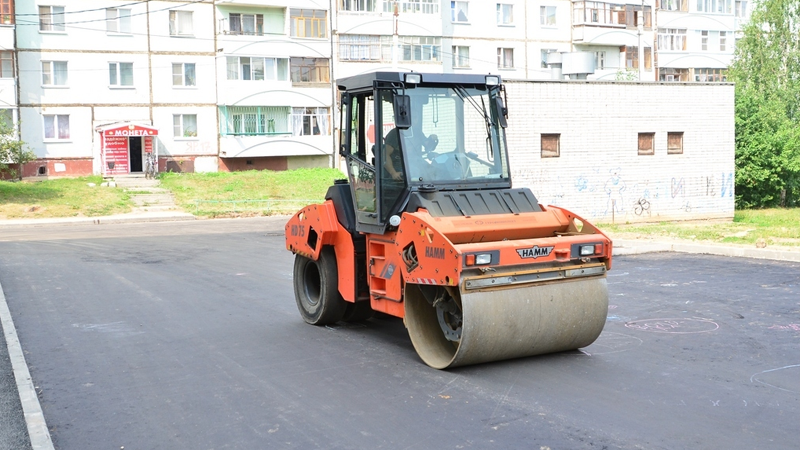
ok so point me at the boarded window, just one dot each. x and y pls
(551, 145)
(646, 143)
(675, 143)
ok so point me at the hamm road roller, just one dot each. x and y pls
(428, 228)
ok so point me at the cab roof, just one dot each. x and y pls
(368, 80)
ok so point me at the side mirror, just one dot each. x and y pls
(502, 112)
(402, 111)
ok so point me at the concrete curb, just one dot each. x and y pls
(155, 216)
(635, 247)
(34, 417)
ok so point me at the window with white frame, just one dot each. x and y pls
(120, 74)
(545, 51)
(704, 40)
(6, 64)
(181, 23)
(711, 75)
(505, 58)
(246, 24)
(599, 60)
(505, 14)
(355, 47)
(184, 74)
(412, 6)
(56, 126)
(118, 20)
(310, 70)
(715, 6)
(254, 120)
(54, 73)
(675, 5)
(251, 68)
(184, 125)
(672, 39)
(547, 16)
(310, 122)
(7, 119)
(723, 35)
(460, 56)
(308, 23)
(459, 11)
(740, 8)
(419, 48)
(358, 5)
(51, 18)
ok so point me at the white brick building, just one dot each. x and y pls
(598, 149)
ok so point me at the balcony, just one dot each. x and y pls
(598, 23)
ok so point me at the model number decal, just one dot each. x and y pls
(298, 230)
(534, 252)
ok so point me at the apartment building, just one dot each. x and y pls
(273, 84)
(247, 84)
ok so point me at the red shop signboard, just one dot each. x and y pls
(116, 149)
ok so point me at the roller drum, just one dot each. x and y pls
(510, 323)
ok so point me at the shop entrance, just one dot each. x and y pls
(135, 152)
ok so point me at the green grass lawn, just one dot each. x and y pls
(779, 227)
(64, 197)
(249, 193)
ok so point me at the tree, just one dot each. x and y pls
(13, 154)
(766, 69)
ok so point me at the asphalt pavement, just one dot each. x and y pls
(185, 335)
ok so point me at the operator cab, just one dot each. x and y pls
(408, 136)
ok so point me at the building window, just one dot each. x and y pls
(184, 74)
(670, 74)
(459, 11)
(714, 6)
(361, 47)
(675, 143)
(412, 6)
(505, 58)
(254, 120)
(551, 145)
(632, 58)
(6, 64)
(118, 20)
(54, 73)
(547, 16)
(722, 40)
(249, 68)
(310, 121)
(308, 23)
(184, 125)
(120, 74)
(610, 14)
(247, 24)
(741, 8)
(358, 5)
(704, 39)
(505, 14)
(419, 48)
(460, 56)
(7, 119)
(7, 12)
(711, 75)
(674, 5)
(672, 39)
(51, 18)
(545, 51)
(181, 23)
(599, 60)
(56, 126)
(310, 70)
(646, 143)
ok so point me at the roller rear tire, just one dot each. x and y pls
(316, 289)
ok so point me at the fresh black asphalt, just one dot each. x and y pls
(186, 336)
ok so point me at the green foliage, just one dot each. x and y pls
(61, 197)
(13, 154)
(766, 70)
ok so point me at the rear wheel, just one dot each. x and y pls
(315, 288)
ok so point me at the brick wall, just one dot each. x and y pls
(599, 174)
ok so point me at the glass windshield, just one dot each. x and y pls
(454, 137)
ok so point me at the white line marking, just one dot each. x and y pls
(34, 418)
